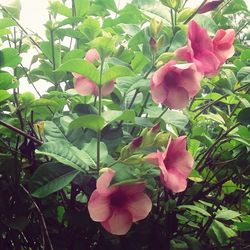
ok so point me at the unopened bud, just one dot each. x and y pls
(155, 27)
(209, 6)
(161, 140)
(153, 44)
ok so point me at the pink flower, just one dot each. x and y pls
(84, 86)
(118, 206)
(209, 5)
(175, 164)
(199, 50)
(92, 55)
(174, 84)
(223, 44)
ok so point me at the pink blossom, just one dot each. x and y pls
(199, 50)
(175, 164)
(223, 44)
(84, 86)
(116, 207)
(174, 84)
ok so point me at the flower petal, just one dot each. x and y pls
(139, 206)
(99, 207)
(84, 86)
(175, 181)
(119, 223)
(177, 98)
(104, 180)
(92, 55)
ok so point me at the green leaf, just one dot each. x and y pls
(221, 232)
(227, 214)
(115, 72)
(229, 187)
(93, 122)
(114, 115)
(184, 14)
(7, 81)
(104, 45)
(195, 209)
(67, 154)
(73, 54)
(235, 6)
(82, 67)
(9, 58)
(90, 28)
(6, 22)
(179, 40)
(82, 7)
(49, 178)
(244, 117)
(47, 50)
(139, 62)
(4, 95)
(243, 73)
(207, 23)
(57, 7)
(52, 132)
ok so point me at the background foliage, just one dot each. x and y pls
(48, 144)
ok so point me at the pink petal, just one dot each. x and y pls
(139, 206)
(104, 180)
(185, 53)
(107, 89)
(119, 223)
(132, 188)
(99, 207)
(189, 78)
(84, 86)
(158, 93)
(177, 98)
(152, 158)
(92, 55)
(207, 63)
(175, 181)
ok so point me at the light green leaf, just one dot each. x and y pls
(227, 214)
(4, 95)
(9, 58)
(114, 115)
(92, 121)
(195, 209)
(82, 67)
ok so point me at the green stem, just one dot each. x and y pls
(52, 48)
(160, 116)
(100, 114)
(197, 10)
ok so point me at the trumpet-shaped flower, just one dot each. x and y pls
(175, 164)
(116, 207)
(174, 84)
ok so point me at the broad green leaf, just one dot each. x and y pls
(82, 7)
(4, 95)
(104, 45)
(49, 178)
(73, 54)
(227, 214)
(207, 23)
(52, 132)
(6, 22)
(195, 176)
(57, 7)
(67, 154)
(139, 62)
(195, 209)
(235, 6)
(221, 232)
(27, 99)
(93, 122)
(90, 28)
(114, 115)
(244, 116)
(7, 81)
(178, 41)
(243, 73)
(115, 72)
(47, 50)
(9, 58)
(82, 67)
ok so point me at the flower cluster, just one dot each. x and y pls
(174, 84)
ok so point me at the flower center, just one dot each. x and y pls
(118, 199)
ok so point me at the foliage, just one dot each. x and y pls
(54, 146)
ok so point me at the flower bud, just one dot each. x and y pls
(161, 140)
(153, 44)
(155, 27)
(209, 6)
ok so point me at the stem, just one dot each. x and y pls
(197, 10)
(100, 114)
(40, 214)
(20, 132)
(52, 48)
(160, 116)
